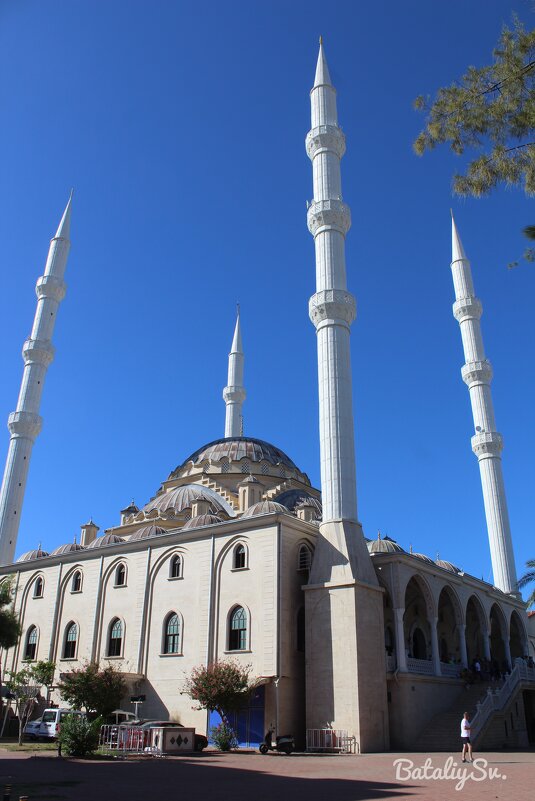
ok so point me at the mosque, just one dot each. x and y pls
(353, 641)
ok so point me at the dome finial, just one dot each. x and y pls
(378, 534)
(410, 548)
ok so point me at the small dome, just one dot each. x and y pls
(201, 520)
(105, 539)
(70, 547)
(448, 566)
(384, 545)
(29, 556)
(294, 499)
(265, 508)
(423, 557)
(146, 531)
(181, 498)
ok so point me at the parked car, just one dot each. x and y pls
(51, 721)
(200, 740)
(32, 729)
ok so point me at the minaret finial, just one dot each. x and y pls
(322, 77)
(321, 39)
(25, 423)
(234, 392)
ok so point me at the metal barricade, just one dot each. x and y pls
(331, 740)
(123, 739)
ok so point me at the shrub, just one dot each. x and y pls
(224, 737)
(79, 736)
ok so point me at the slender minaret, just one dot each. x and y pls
(345, 679)
(487, 444)
(234, 392)
(25, 423)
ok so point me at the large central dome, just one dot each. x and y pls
(236, 448)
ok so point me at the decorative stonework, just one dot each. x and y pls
(325, 138)
(477, 373)
(50, 286)
(24, 424)
(487, 443)
(233, 394)
(332, 304)
(38, 351)
(467, 309)
(328, 215)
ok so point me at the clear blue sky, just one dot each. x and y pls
(181, 126)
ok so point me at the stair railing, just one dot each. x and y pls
(497, 699)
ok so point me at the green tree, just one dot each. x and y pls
(43, 673)
(489, 113)
(10, 629)
(79, 736)
(221, 686)
(93, 689)
(24, 689)
(528, 578)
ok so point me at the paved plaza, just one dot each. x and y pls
(241, 776)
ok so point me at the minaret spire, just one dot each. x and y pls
(344, 690)
(486, 443)
(24, 424)
(234, 392)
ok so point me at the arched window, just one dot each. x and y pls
(71, 638)
(30, 651)
(115, 641)
(171, 637)
(76, 585)
(175, 567)
(120, 575)
(38, 587)
(301, 630)
(240, 557)
(304, 558)
(237, 638)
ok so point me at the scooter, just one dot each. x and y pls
(284, 744)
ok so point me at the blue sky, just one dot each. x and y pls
(181, 126)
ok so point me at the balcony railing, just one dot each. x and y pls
(420, 666)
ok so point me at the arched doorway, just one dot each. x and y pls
(449, 619)
(517, 639)
(498, 634)
(476, 624)
(416, 626)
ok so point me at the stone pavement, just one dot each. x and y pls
(241, 776)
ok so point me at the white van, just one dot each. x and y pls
(51, 721)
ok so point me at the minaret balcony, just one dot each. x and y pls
(334, 305)
(38, 351)
(467, 309)
(50, 286)
(234, 394)
(328, 215)
(24, 424)
(476, 373)
(325, 138)
(487, 443)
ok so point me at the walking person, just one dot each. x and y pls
(465, 739)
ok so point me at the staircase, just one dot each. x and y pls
(231, 499)
(443, 732)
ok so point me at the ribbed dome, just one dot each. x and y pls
(201, 520)
(29, 556)
(70, 547)
(181, 498)
(105, 539)
(146, 531)
(264, 508)
(384, 545)
(236, 448)
(423, 557)
(448, 566)
(293, 499)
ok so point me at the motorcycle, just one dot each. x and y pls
(284, 743)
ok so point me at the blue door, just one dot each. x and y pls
(248, 723)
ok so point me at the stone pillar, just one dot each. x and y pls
(401, 654)
(486, 644)
(461, 628)
(507, 651)
(434, 646)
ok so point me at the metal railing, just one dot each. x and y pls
(447, 669)
(497, 699)
(123, 739)
(331, 740)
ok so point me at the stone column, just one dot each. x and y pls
(461, 628)
(486, 644)
(434, 646)
(401, 655)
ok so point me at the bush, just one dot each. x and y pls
(79, 736)
(224, 737)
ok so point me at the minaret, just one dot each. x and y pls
(234, 392)
(25, 423)
(346, 674)
(487, 444)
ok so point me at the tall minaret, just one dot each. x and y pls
(486, 443)
(234, 392)
(345, 680)
(25, 423)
